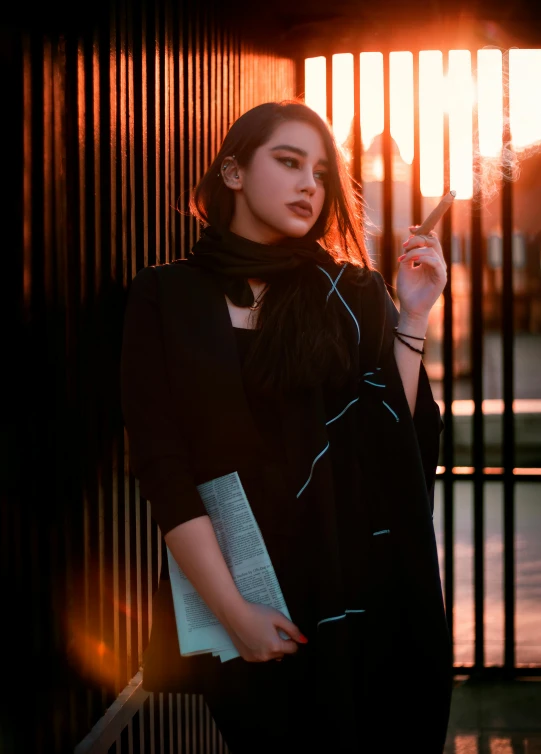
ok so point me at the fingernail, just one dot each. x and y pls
(303, 639)
(414, 259)
(402, 257)
(405, 243)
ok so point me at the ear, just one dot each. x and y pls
(231, 174)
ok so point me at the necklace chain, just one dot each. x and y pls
(257, 301)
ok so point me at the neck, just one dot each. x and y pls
(252, 232)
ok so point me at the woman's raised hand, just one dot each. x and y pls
(418, 288)
(254, 632)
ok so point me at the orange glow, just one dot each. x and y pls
(371, 76)
(459, 104)
(525, 97)
(401, 84)
(489, 102)
(315, 94)
(94, 659)
(438, 94)
(342, 96)
(431, 104)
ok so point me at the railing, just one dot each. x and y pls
(384, 246)
(141, 723)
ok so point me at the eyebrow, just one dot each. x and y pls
(297, 150)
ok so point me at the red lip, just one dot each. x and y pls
(302, 204)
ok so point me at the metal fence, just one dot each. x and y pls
(385, 252)
(117, 121)
(114, 119)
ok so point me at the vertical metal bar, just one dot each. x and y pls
(101, 576)
(300, 79)
(144, 132)
(123, 141)
(149, 559)
(416, 199)
(231, 75)
(356, 171)
(199, 96)
(59, 539)
(165, 178)
(47, 172)
(328, 86)
(182, 113)
(387, 261)
(115, 110)
(81, 140)
(113, 136)
(157, 146)
(178, 724)
(96, 116)
(152, 726)
(93, 617)
(27, 179)
(191, 115)
(478, 442)
(132, 251)
(174, 146)
(186, 724)
(139, 575)
(448, 435)
(508, 385)
(128, 534)
(161, 723)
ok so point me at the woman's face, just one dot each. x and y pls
(290, 168)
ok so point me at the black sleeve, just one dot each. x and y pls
(426, 417)
(157, 450)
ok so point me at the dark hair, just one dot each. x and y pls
(300, 337)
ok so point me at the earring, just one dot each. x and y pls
(224, 168)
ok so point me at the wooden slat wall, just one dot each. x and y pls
(119, 120)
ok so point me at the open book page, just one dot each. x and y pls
(246, 556)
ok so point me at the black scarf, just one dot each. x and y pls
(234, 259)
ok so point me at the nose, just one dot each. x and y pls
(308, 182)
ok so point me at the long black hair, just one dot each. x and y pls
(301, 337)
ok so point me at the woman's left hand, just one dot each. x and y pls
(418, 288)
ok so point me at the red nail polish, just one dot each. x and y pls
(402, 257)
(303, 639)
(405, 243)
(414, 259)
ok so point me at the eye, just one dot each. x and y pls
(285, 160)
(321, 175)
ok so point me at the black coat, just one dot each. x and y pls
(188, 420)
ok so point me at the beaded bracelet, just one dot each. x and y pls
(415, 337)
(417, 350)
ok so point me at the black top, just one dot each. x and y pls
(264, 409)
(313, 538)
(346, 515)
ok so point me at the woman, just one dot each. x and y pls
(275, 351)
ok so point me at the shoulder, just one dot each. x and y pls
(149, 278)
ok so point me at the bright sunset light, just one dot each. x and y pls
(460, 107)
(371, 96)
(525, 96)
(431, 104)
(468, 82)
(401, 75)
(489, 102)
(342, 96)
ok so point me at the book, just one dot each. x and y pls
(246, 556)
